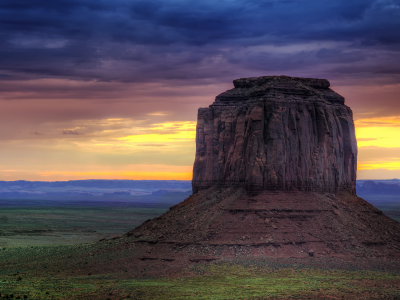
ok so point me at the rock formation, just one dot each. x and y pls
(274, 176)
(276, 132)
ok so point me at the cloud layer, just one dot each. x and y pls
(132, 41)
(68, 67)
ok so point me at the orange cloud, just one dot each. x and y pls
(165, 133)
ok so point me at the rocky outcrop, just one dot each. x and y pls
(279, 133)
(274, 176)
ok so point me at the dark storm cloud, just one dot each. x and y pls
(35, 133)
(157, 40)
(70, 131)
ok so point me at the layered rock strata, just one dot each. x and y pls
(222, 223)
(276, 133)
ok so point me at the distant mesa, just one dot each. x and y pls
(369, 187)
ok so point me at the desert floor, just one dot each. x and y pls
(48, 250)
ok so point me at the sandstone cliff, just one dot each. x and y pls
(276, 132)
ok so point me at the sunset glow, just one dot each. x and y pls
(166, 133)
(100, 88)
(378, 132)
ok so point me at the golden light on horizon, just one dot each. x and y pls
(378, 134)
(137, 172)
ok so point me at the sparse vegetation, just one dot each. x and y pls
(241, 279)
(50, 223)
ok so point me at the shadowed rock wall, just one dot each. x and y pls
(276, 132)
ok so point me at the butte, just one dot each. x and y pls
(274, 176)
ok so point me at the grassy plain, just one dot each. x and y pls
(26, 222)
(70, 225)
(39, 259)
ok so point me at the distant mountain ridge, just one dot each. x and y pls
(379, 187)
(82, 189)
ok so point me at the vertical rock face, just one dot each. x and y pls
(276, 132)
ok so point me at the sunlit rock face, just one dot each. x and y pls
(279, 133)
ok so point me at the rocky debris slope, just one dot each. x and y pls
(221, 223)
(276, 132)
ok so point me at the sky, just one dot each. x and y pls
(110, 89)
